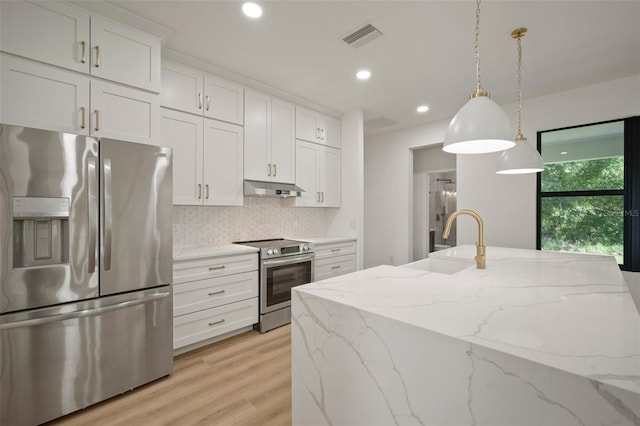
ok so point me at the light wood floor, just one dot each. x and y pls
(244, 380)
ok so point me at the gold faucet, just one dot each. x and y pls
(481, 259)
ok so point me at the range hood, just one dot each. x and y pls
(254, 188)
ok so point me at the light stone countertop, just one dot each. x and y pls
(567, 311)
(207, 250)
(323, 240)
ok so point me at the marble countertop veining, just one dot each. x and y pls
(568, 311)
(209, 250)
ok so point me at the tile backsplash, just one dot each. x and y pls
(259, 218)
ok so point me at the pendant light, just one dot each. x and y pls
(523, 157)
(481, 125)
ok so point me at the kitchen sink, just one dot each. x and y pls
(440, 266)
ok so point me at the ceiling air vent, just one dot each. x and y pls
(362, 36)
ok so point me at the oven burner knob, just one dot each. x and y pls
(269, 251)
(304, 248)
(275, 251)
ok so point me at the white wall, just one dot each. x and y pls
(348, 220)
(506, 203)
(388, 184)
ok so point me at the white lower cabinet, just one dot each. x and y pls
(213, 296)
(333, 259)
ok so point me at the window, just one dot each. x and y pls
(589, 191)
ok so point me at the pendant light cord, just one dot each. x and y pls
(520, 136)
(478, 84)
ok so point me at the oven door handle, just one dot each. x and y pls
(288, 260)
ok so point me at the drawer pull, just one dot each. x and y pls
(335, 250)
(216, 292)
(335, 267)
(216, 268)
(216, 322)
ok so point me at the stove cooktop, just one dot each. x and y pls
(278, 247)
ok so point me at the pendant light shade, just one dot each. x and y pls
(523, 157)
(480, 126)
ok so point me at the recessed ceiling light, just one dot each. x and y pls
(363, 75)
(422, 108)
(252, 10)
(563, 153)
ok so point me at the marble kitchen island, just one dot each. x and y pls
(537, 338)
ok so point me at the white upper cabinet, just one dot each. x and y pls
(223, 100)
(318, 173)
(125, 55)
(46, 97)
(53, 32)
(223, 165)
(42, 96)
(312, 126)
(283, 141)
(182, 87)
(61, 34)
(207, 159)
(269, 140)
(184, 133)
(191, 90)
(120, 112)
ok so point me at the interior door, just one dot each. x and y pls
(136, 205)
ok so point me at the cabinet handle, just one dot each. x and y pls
(275, 170)
(208, 102)
(269, 169)
(199, 191)
(206, 187)
(97, 56)
(322, 134)
(84, 53)
(335, 267)
(217, 322)
(97, 120)
(199, 100)
(317, 133)
(82, 109)
(335, 250)
(216, 268)
(322, 197)
(216, 292)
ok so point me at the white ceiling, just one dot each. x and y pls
(425, 56)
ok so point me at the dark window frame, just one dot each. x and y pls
(631, 191)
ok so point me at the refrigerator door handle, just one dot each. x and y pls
(108, 205)
(84, 313)
(93, 214)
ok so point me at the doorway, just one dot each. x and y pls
(434, 199)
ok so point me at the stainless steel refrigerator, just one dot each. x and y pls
(85, 271)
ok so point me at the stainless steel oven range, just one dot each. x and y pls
(284, 264)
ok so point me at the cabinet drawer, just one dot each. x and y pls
(204, 294)
(334, 266)
(200, 269)
(324, 251)
(202, 325)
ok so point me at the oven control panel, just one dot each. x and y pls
(286, 250)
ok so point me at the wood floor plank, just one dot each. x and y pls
(244, 381)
